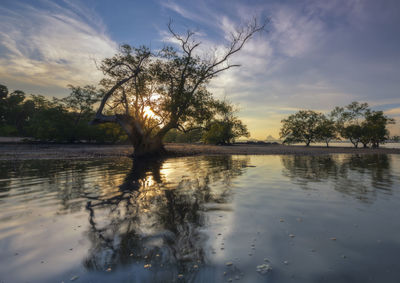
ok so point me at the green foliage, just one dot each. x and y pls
(57, 120)
(174, 135)
(352, 132)
(326, 130)
(374, 128)
(302, 126)
(3, 91)
(227, 128)
(348, 121)
(355, 122)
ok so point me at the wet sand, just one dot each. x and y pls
(77, 151)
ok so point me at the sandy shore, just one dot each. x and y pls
(46, 151)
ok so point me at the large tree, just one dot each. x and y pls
(150, 94)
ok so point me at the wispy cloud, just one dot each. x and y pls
(54, 46)
(316, 54)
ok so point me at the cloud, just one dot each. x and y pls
(52, 46)
(393, 112)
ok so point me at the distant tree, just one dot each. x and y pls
(375, 131)
(12, 112)
(81, 100)
(3, 96)
(174, 135)
(348, 121)
(353, 133)
(226, 129)
(302, 126)
(326, 130)
(3, 91)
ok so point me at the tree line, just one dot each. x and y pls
(355, 122)
(54, 120)
(68, 120)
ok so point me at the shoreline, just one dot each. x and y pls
(85, 151)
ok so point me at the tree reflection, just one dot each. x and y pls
(157, 216)
(356, 175)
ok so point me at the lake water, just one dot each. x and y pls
(201, 219)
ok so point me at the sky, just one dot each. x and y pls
(313, 54)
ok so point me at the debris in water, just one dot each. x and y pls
(180, 276)
(131, 254)
(281, 220)
(333, 239)
(266, 259)
(263, 268)
(147, 265)
(229, 263)
(237, 277)
(73, 278)
(285, 262)
(108, 269)
(291, 236)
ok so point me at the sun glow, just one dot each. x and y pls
(148, 112)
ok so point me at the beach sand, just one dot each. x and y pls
(77, 151)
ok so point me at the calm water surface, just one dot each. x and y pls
(201, 219)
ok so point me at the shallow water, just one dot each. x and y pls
(201, 219)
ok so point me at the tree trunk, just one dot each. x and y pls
(143, 145)
(147, 147)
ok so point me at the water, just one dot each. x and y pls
(201, 219)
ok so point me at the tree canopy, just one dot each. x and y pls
(355, 122)
(151, 93)
(301, 127)
(56, 120)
